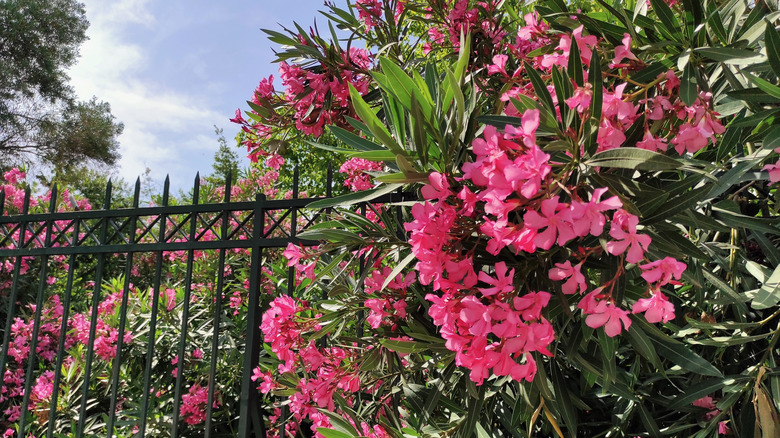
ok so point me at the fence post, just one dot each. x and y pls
(250, 418)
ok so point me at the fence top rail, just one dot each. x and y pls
(120, 239)
(267, 205)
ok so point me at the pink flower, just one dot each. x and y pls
(652, 143)
(662, 271)
(532, 169)
(657, 308)
(274, 161)
(575, 278)
(623, 51)
(614, 106)
(610, 316)
(357, 178)
(623, 230)
(531, 304)
(476, 316)
(499, 65)
(439, 187)
(14, 175)
(237, 119)
(556, 221)
(610, 136)
(293, 254)
(588, 217)
(692, 138)
(529, 123)
(774, 170)
(705, 402)
(502, 282)
(581, 98)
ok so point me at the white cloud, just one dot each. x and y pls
(165, 129)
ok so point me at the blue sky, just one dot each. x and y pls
(172, 69)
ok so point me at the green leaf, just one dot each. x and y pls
(733, 296)
(699, 390)
(737, 220)
(383, 155)
(404, 88)
(770, 88)
(642, 344)
(666, 17)
(481, 432)
(340, 424)
(463, 58)
(563, 401)
(772, 41)
(727, 54)
(769, 294)
(725, 325)
(402, 178)
(562, 86)
(683, 356)
(377, 128)
(594, 121)
(688, 88)
(725, 181)
(678, 204)
(354, 198)
(725, 341)
(575, 65)
(540, 88)
(633, 158)
(328, 147)
(261, 110)
(330, 433)
(648, 421)
(404, 347)
(337, 236)
(772, 139)
(453, 88)
(353, 140)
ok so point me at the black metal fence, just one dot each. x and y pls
(88, 247)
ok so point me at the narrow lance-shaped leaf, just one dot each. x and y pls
(772, 41)
(688, 87)
(372, 121)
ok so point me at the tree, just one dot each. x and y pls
(225, 160)
(40, 119)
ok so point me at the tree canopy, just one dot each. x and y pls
(41, 121)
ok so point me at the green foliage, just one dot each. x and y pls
(41, 122)
(225, 161)
(714, 208)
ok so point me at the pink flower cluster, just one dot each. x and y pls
(307, 91)
(46, 350)
(357, 178)
(479, 20)
(194, 403)
(390, 306)
(328, 371)
(712, 411)
(487, 320)
(371, 12)
(698, 123)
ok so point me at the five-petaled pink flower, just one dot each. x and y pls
(657, 308)
(502, 282)
(610, 316)
(623, 230)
